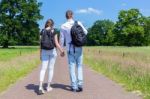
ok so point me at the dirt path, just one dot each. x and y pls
(96, 86)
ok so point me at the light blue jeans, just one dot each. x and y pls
(76, 60)
(48, 58)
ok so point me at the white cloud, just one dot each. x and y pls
(123, 4)
(89, 11)
(146, 12)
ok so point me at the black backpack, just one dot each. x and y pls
(47, 39)
(78, 36)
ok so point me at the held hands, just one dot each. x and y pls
(62, 54)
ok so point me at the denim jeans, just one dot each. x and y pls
(75, 59)
(48, 58)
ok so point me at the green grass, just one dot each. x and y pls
(14, 65)
(12, 52)
(129, 66)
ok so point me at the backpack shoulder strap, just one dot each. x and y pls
(76, 22)
(48, 31)
(42, 31)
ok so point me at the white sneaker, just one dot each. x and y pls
(49, 89)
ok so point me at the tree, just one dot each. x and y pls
(147, 30)
(129, 28)
(101, 33)
(18, 19)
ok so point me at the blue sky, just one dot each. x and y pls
(88, 11)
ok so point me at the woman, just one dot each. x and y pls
(48, 55)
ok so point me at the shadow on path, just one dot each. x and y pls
(36, 87)
(33, 87)
(61, 86)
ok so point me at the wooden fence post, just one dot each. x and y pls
(99, 51)
(123, 54)
(20, 53)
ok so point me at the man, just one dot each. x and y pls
(75, 54)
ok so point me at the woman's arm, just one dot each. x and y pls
(57, 44)
(40, 47)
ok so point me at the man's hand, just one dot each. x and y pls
(62, 54)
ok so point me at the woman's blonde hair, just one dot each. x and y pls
(49, 23)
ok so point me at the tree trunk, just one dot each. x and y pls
(5, 45)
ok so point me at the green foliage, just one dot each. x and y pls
(131, 29)
(101, 33)
(18, 19)
(147, 31)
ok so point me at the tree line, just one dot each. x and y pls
(131, 29)
(18, 26)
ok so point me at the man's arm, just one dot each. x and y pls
(61, 38)
(84, 29)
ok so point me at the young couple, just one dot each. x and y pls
(49, 43)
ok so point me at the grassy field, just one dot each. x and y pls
(129, 66)
(15, 63)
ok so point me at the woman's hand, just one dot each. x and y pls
(62, 54)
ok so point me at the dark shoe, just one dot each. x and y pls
(75, 90)
(80, 89)
(40, 92)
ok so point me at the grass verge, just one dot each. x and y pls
(122, 70)
(17, 67)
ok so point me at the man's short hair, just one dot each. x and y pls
(69, 14)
